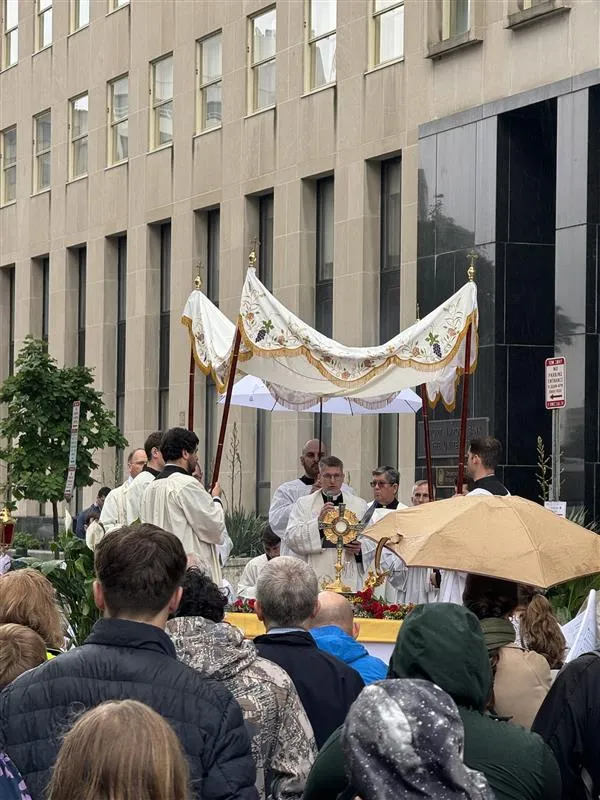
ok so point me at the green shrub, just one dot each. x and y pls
(245, 529)
(25, 541)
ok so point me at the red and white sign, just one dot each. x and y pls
(556, 382)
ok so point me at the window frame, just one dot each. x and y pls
(37, 154)
(40, 14)
(154, 142)
(310, 43)
(164, 309)
(254, 66)
(376, 17)
(4, 169)
(6, 37)
(448, 10)
(80, 137)
(202, 86)
(75, 14)
(112, 124)
(115, 5)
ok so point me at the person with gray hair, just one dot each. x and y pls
(287, 599)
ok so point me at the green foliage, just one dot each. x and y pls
(72, 576)
(544, 471)
(567, 598)
(26, 541)
(36, 430)
(245, 529)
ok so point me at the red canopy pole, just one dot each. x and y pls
(191, 390)
(464, 411)
(425, 410)
(227, 405)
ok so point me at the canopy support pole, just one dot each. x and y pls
(227, 405)
(464, 412)
(320, 421)
(427, 438)
(191, 390)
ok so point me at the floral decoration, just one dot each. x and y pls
(242, 606)
(369, 607)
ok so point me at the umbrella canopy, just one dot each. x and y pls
(502, 537)
(254, 393)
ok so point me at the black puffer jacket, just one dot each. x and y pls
(128, 660)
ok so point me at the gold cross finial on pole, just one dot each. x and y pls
(472, 258)
(198, 278)
(252, 254)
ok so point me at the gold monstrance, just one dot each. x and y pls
(340, 526)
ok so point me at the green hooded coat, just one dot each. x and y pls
(443, 643)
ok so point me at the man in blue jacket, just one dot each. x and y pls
(334, 629)
(128, 655)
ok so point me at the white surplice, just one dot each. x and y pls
(302, 539)
(114, 510)
(135, 494)
(284, 498)
(247, 586)
(181, 505)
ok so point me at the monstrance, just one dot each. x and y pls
(340, 526)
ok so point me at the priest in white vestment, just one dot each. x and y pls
(286, 495)
(303, 537)
(177, 502)
(153, 467)
(247, 585)
(114, 510)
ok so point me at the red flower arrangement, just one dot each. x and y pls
(242, 606)
(367, 606)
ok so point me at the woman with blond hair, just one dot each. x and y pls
(28, 598)
(122, 750)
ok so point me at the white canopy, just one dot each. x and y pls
(252, 392)
(281, 349)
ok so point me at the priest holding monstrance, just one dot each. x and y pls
(304, 536)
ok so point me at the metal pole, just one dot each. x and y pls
(227, 405)
(191, 390)
(320, 422)
(462, 444)
(427, 441)
(555, 487)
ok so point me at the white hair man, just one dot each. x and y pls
(114, 510)
(287, 599)
(304, 538)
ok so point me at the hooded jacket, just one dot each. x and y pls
(283, 744)
(443, 643)
(340, 644)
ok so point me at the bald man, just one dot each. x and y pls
(114, 510)
(335, 630)
(286, 495)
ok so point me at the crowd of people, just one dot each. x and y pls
(166, 700)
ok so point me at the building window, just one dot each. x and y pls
(525, 4)
(44, 266)
(10, 33)
(114, 4)
(121, 330)
(165, 326)
(324, 279)
(8, 157)
(78, 128)
(263, 418)
(262, 47)
(455, 17)
(81, 303)
(321, 42)
(389, 289)
(118, 113)
(7, 339)
(43, 25)
(388, 30)
(209, 72)
(80, 14)
(162, 102)
(213, 256)
(42, 145)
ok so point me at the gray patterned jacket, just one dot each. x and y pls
(283, 744)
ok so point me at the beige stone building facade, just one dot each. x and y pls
(143, 140)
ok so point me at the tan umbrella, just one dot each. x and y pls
(503, 537)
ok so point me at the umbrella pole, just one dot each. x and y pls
(464, 411)
(427, 442)
(320, 421)
(191, 390)
(227, 405)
